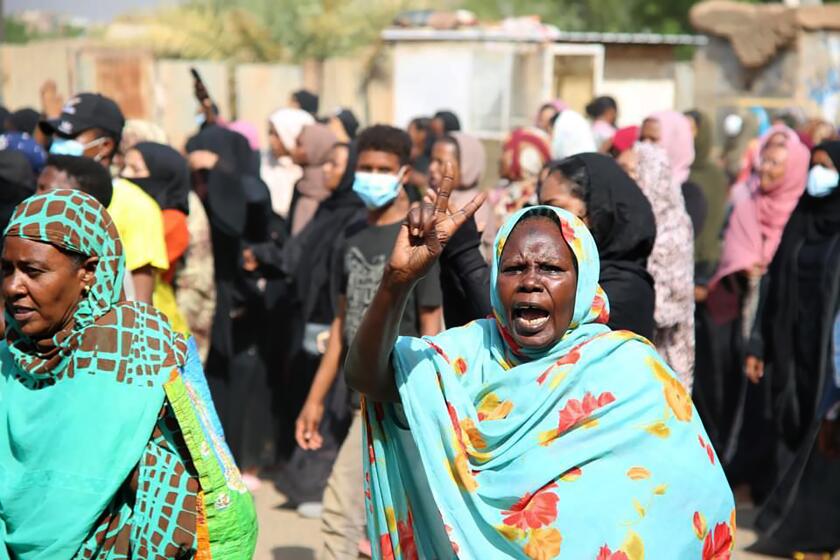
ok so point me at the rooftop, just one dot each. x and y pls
(545, 34)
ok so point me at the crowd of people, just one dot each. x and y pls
(337, 284)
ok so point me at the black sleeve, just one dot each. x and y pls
(427, 291)
(462, 259)
(755, 345)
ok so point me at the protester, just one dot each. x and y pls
(473, 460)
(712, 180)
(91, 125)
(797, 340)
(760, 208)
(671, 262)
(344, 125)
(571, 135)
(314, 145)
(384, 153)
(547, 114)
(524, 154)
(25, 144)
(76, 349)
(445, 122)
(163, 174)
(277, 169)
(305, 100)
(623, 139)
(17, 182)
(422, 140)
(314, 261)
(604, 113)
(23, 121)
(195, 287)
(672, 131)
(594, 188)
(76, 173)
(466, 154)
(224, 174)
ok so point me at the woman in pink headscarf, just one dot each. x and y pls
(759, 210)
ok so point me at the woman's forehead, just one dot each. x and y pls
(533, 231)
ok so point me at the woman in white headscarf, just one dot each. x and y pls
(572, 135)
(278, 170)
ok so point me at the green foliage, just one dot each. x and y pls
(15, 31)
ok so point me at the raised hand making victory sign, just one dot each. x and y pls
(428, 228)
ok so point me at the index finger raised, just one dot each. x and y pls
(445, 189)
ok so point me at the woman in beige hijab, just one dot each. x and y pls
(313, 147)
(277, 169)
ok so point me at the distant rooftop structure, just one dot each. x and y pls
(544, 34)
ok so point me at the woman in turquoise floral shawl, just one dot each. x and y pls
(538, 433)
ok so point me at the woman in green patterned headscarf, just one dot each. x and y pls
(109, 443)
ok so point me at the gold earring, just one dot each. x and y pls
(86, 290)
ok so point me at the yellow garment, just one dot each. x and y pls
(139, 222)
(163, 299)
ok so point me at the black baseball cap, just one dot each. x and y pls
(83, 112)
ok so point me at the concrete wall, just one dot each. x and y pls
(261, 89)
(26, 67)
(641, 78)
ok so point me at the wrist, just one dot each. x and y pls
(397, 282)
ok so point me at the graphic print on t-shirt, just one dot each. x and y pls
(363, 279)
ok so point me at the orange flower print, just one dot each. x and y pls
(718, 544)
(599, 309)
(675, 394)
(638, 473)
(572, 239)
(544, 544)
(577, 412)
(405, 534)
(439, 350)
(460, 366)
(606, 554)
(385, 547)
(709, 451)
(533, 511)
(463, 475)
(698, 523)
(572, 474)
(474, 436)
(491, 407)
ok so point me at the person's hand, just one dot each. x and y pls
(51, 100)
(426, 231)
(249, 261)
(202, 159)
(701, 293)
(754, 369)
(306, 428)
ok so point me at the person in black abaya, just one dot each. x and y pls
(238, 206)
(309, 261)
(594, 188)
(796, 336)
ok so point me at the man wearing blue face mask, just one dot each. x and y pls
(381, 173)
(90, 125)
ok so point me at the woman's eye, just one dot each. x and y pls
(551, 268)
(513, 268)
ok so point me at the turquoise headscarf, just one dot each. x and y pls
(588, 449)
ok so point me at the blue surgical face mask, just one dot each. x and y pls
(70, 147)
(822, 181)
(376, 190)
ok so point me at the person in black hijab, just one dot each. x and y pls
(306, 100)
(23, 120)
(794, 357)
(312, 260)
(17, 182)
(168, 180)
(594, 188)
(237, 204)
(445, 122)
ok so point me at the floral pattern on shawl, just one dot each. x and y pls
(606, 484)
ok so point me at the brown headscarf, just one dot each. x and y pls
(316, 141)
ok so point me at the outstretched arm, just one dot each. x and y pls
(419, 244)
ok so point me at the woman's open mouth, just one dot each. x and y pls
(529, 318)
